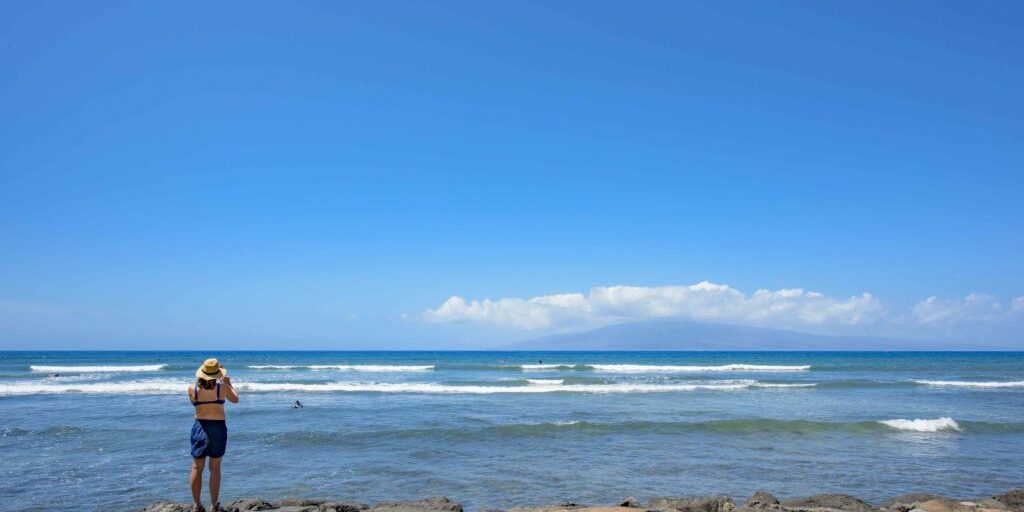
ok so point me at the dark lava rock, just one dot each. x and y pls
(1013, 499)
(167, 506)
(836, 501)
(694, 504)
(762, 499)
(333, 506)
(631, 502)
(908, 501)
(249, 505)
(431, 504)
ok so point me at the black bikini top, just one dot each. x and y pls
(197, 402)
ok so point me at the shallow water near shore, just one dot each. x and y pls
(501, 428)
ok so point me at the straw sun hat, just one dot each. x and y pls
(211, 369)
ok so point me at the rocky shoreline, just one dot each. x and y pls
(761, 501)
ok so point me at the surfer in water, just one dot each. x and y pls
(297, 405)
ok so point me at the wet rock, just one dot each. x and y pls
(691, 504)
(334, 506)
(762, 499)
(694, 504)
(569, 506)
(248, 505)
(908, 501)
(1013, 499)
(299, 502)
(843, 502)
(600, 509)
(167, 506)
(431, 504)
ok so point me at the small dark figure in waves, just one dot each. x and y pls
(297, 405)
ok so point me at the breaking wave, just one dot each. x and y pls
(98, 368)
(377, 368)
(971, 384)
(549, 366)
(607, 368)
(640, 368)
(936, 425)
(535, 386)
(635, 368)
(133, 387)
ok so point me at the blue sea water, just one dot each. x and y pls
(495, 429)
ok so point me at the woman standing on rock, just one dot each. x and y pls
(210, 430)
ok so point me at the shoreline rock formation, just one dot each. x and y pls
(761, 501)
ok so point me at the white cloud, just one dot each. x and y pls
(790, 307)
(976, 307)
(536, 313)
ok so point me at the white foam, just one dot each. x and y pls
(538, 387)
(542, 382)
(935, 425)
(972, 384)
(98, 369)
(544, 366)
(372, 368)
(640, 368)
(165, 386)
(377, 368)
(162, 386)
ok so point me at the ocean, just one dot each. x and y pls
(109, 430)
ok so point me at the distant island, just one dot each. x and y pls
(690, 335)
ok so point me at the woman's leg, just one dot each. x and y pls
(195, 480)
(214, 482)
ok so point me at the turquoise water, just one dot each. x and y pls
(110, 432)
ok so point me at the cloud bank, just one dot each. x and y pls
(706, 301)
(972, 308)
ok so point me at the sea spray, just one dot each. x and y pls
(923, 425)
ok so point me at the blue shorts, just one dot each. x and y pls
(209, 438)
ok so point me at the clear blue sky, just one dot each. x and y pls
(328, 174)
